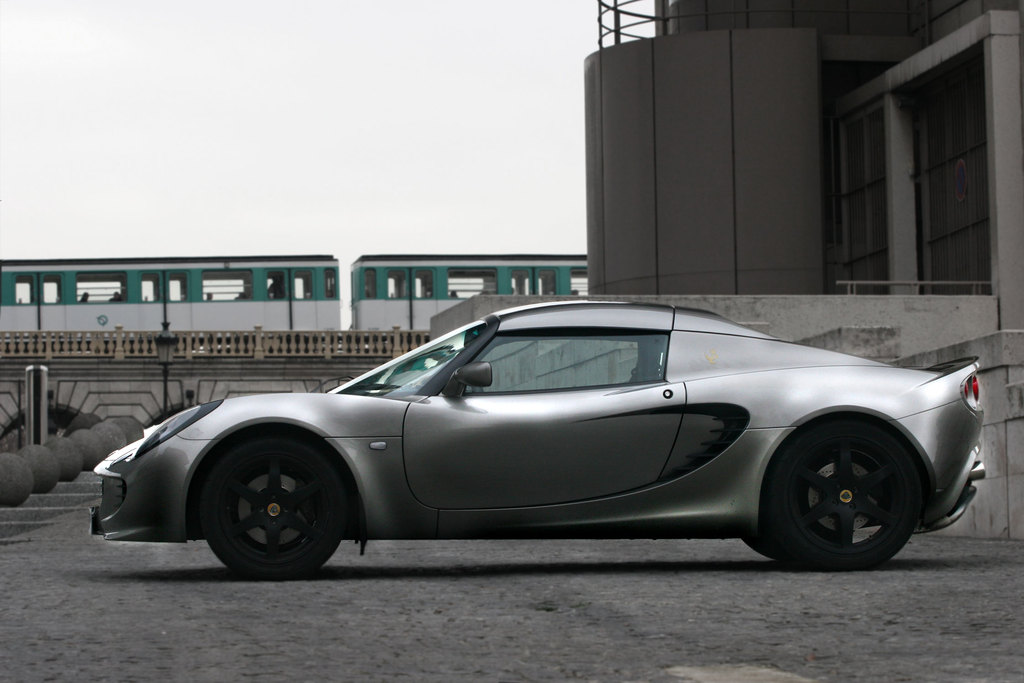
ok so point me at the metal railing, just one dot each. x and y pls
(973, 287)
(621, 21)
(256, 343)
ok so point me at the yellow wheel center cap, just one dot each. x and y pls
(273, 509)
(846, 495)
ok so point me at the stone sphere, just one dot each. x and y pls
(111, 435)
(15, 480)
(81, 421)
(90, 445)
(69, 457)
(45, 469)
(132, 428)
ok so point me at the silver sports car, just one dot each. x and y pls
(568, 420)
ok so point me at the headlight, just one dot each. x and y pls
(175, 424)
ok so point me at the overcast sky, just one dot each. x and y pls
(238, 127)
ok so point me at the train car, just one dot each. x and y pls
(407, 290)
(200, 293)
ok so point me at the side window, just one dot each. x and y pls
(569, 361)
(227, 285)
(177, 287)
(275, 284)
(370, 283)
(424, 284)
(100, 287)
(25, 289)
(466, 282)
(330, 284)
(546, 282)
(151, 287)
(520, 282)
(52, 289)
(396, 285)
(578, 282)
(302, 284)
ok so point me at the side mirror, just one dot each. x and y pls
(469, 375)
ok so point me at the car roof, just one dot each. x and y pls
(619, 314)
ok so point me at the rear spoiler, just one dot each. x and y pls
(951, 366)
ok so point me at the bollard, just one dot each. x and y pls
(36, 407)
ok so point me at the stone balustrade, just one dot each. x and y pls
(257, 343)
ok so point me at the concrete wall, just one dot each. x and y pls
(704, 164)
(919, 322)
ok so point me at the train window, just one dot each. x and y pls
(578, 281)
(52, 289)
(177, 287)
(275, 285)
(302, 285)
(151, 286)
(100, 287)
(521, 282)
(25, 289)
(424, 284)
(227, 285)
(464, 283)
(396, 284)
(546, 282)
(370, 283)
(330, 284)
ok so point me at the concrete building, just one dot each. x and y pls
(780, 146)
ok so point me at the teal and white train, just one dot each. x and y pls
(190, 293)
(390, 290)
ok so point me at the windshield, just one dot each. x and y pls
(406, 375)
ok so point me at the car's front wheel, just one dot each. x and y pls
(843, 495)
(273, 508)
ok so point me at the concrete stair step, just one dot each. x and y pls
(33, 514)
(77, 487)
(8, 529)
(52, 500)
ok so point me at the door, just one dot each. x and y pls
(570, 415)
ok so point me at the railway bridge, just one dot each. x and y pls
(118, 372)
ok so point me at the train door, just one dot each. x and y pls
(151, 299)
(38, 298)
(277, 309)
(302, 304)
(177, 308)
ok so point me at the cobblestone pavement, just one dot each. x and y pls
(78, 607)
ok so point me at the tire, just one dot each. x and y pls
(843, 496)
(273, 508)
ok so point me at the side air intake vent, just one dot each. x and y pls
(706, 431)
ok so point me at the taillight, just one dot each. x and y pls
(970, 391)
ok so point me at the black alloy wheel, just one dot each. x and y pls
(273, 509)
(844, 495)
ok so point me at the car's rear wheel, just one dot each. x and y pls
(843, 495)
(273, 508)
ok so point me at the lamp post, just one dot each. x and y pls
(165, 344)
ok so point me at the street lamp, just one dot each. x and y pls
(165, 344)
